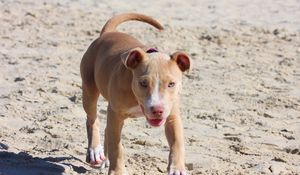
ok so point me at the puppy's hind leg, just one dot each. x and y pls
(95, 152)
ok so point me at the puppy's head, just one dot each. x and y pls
(156, 81)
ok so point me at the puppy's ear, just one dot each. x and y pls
(132, 58)
(182, 60)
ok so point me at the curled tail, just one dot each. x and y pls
(112, 24)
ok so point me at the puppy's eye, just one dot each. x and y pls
(143, 84)
(171, 84)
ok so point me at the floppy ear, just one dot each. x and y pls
(132, 58)
(182, 60)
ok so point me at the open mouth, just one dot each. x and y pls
(156, 122)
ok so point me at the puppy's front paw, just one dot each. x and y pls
(177, 172)
(176, 168)
(95, 156)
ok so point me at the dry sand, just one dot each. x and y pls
(240, 103)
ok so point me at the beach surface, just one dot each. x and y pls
(240, 103)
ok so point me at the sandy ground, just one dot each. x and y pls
(240, 103)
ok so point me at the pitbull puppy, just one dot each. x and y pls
(136, 80)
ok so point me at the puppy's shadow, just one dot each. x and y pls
(25, 164)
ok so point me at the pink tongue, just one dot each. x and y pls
(155, 122)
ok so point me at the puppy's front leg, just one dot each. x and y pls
(174, 134)
(115, 149)
(95, 155)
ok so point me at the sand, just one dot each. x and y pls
(240, 103)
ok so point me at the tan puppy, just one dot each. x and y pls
(135, 80)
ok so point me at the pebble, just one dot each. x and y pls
(277, 168)
(4, 146)
(276, 32)
(73, 98)
(189, 166)
(19, 79)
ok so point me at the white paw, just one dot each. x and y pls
(177, 172)
(96, 157)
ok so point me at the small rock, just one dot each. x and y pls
(89, 33)
(54, 90)
(189, 166)
(64, 107)
(284, 130)
(4, 146)
(277, 168)
(206, 37)
(268, 115)
(140, 142)
(41, 90)
(259, 123)
(30, 14)
(73, 98)
(27, 129)
(48, 127)
(43, 118)
(278, 159)
(19, 79)
(216, 126)
(295, 151)
(289, 137)
(160, 169)
(276, 32)
(234, 139)
(54, 44)
(194, 54)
